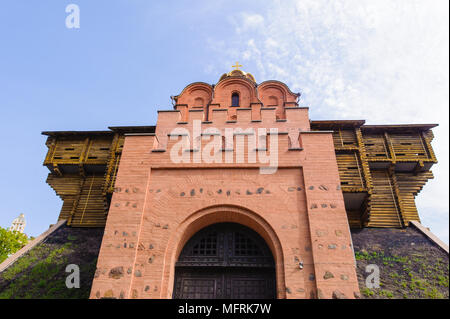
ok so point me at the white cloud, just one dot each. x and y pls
(384, 61)
(248, 22)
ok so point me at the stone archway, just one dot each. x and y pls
(223, 261)
(221, 214)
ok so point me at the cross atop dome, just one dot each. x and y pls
(236, 66)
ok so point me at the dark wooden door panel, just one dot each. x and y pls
(190, 285)
(251, 285)
(225, 261)
(224, 283)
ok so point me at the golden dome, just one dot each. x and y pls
(238, 73)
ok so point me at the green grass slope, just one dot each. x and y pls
(411, 266)
(40, 273)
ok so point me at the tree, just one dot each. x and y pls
(10, 242)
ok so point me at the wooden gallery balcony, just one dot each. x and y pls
(83, 167)
(382, 168)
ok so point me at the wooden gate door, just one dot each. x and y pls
(224, 261)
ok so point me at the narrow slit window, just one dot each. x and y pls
(235, 99)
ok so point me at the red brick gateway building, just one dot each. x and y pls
(236, 193)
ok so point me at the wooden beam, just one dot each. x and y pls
(391, 152)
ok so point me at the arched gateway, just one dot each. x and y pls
(225, 260)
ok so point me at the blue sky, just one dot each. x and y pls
(383, 61)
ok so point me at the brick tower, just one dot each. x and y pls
(203, 166)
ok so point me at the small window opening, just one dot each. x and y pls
(235, 99)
